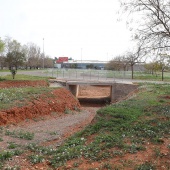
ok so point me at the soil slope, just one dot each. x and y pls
(61, 101)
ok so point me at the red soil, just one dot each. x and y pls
(10, 83)
(61, 100)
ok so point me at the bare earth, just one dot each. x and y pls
(51, 131)
(50, 128)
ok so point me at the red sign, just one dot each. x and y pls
(62, 59)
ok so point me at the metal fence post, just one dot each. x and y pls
(52, 72)
(114, 75)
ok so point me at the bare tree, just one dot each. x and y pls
(11, 45)
(24, 50)
(118, 63)
(160, 64)
(150, 67)
(48, 62)
(112, 65)
(1, 45)
(136, 56)
(15, 59)
(164, 62)
(14, 55)
(2, 62)
(2, 58)
(33, 55)
(153, 21)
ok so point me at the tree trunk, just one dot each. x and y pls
(152, 71)
(162, 74)
(132, 71)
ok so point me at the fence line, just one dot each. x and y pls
(83, 74)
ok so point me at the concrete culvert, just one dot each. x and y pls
(96, 96)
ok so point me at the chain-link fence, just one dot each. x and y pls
(87, 74)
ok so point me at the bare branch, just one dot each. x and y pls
(153, 18)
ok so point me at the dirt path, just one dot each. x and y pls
(49, 130)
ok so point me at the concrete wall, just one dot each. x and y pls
(120, 91)
(74, 89)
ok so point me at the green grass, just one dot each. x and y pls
(12, 145)
(147, 76)
(154, 77)
(138, 75)
(146, 166)
(20, 134)
(20, 96)
(116, 124)
(5, 70)
(36, 159)
(138, 121)
(6, 155)
(23, 77)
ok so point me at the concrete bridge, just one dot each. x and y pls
(118, 90)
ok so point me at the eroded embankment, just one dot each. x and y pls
(22, 83)
(60, 100)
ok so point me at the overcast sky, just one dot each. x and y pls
(68, 27)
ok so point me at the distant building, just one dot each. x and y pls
(62, 59)
(65, 62)
(59, 62)
(85, 64)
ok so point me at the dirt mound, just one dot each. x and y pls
(22, 83)
(60, 101)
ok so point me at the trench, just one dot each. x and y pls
(94, 96)
(94, 102)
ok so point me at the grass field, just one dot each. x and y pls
(23, 77)
(126, 128)
(10, 97)
(119, 131)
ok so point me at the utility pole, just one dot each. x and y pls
(81, 55)
(43, 53)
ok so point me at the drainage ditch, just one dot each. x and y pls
(94, 102)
